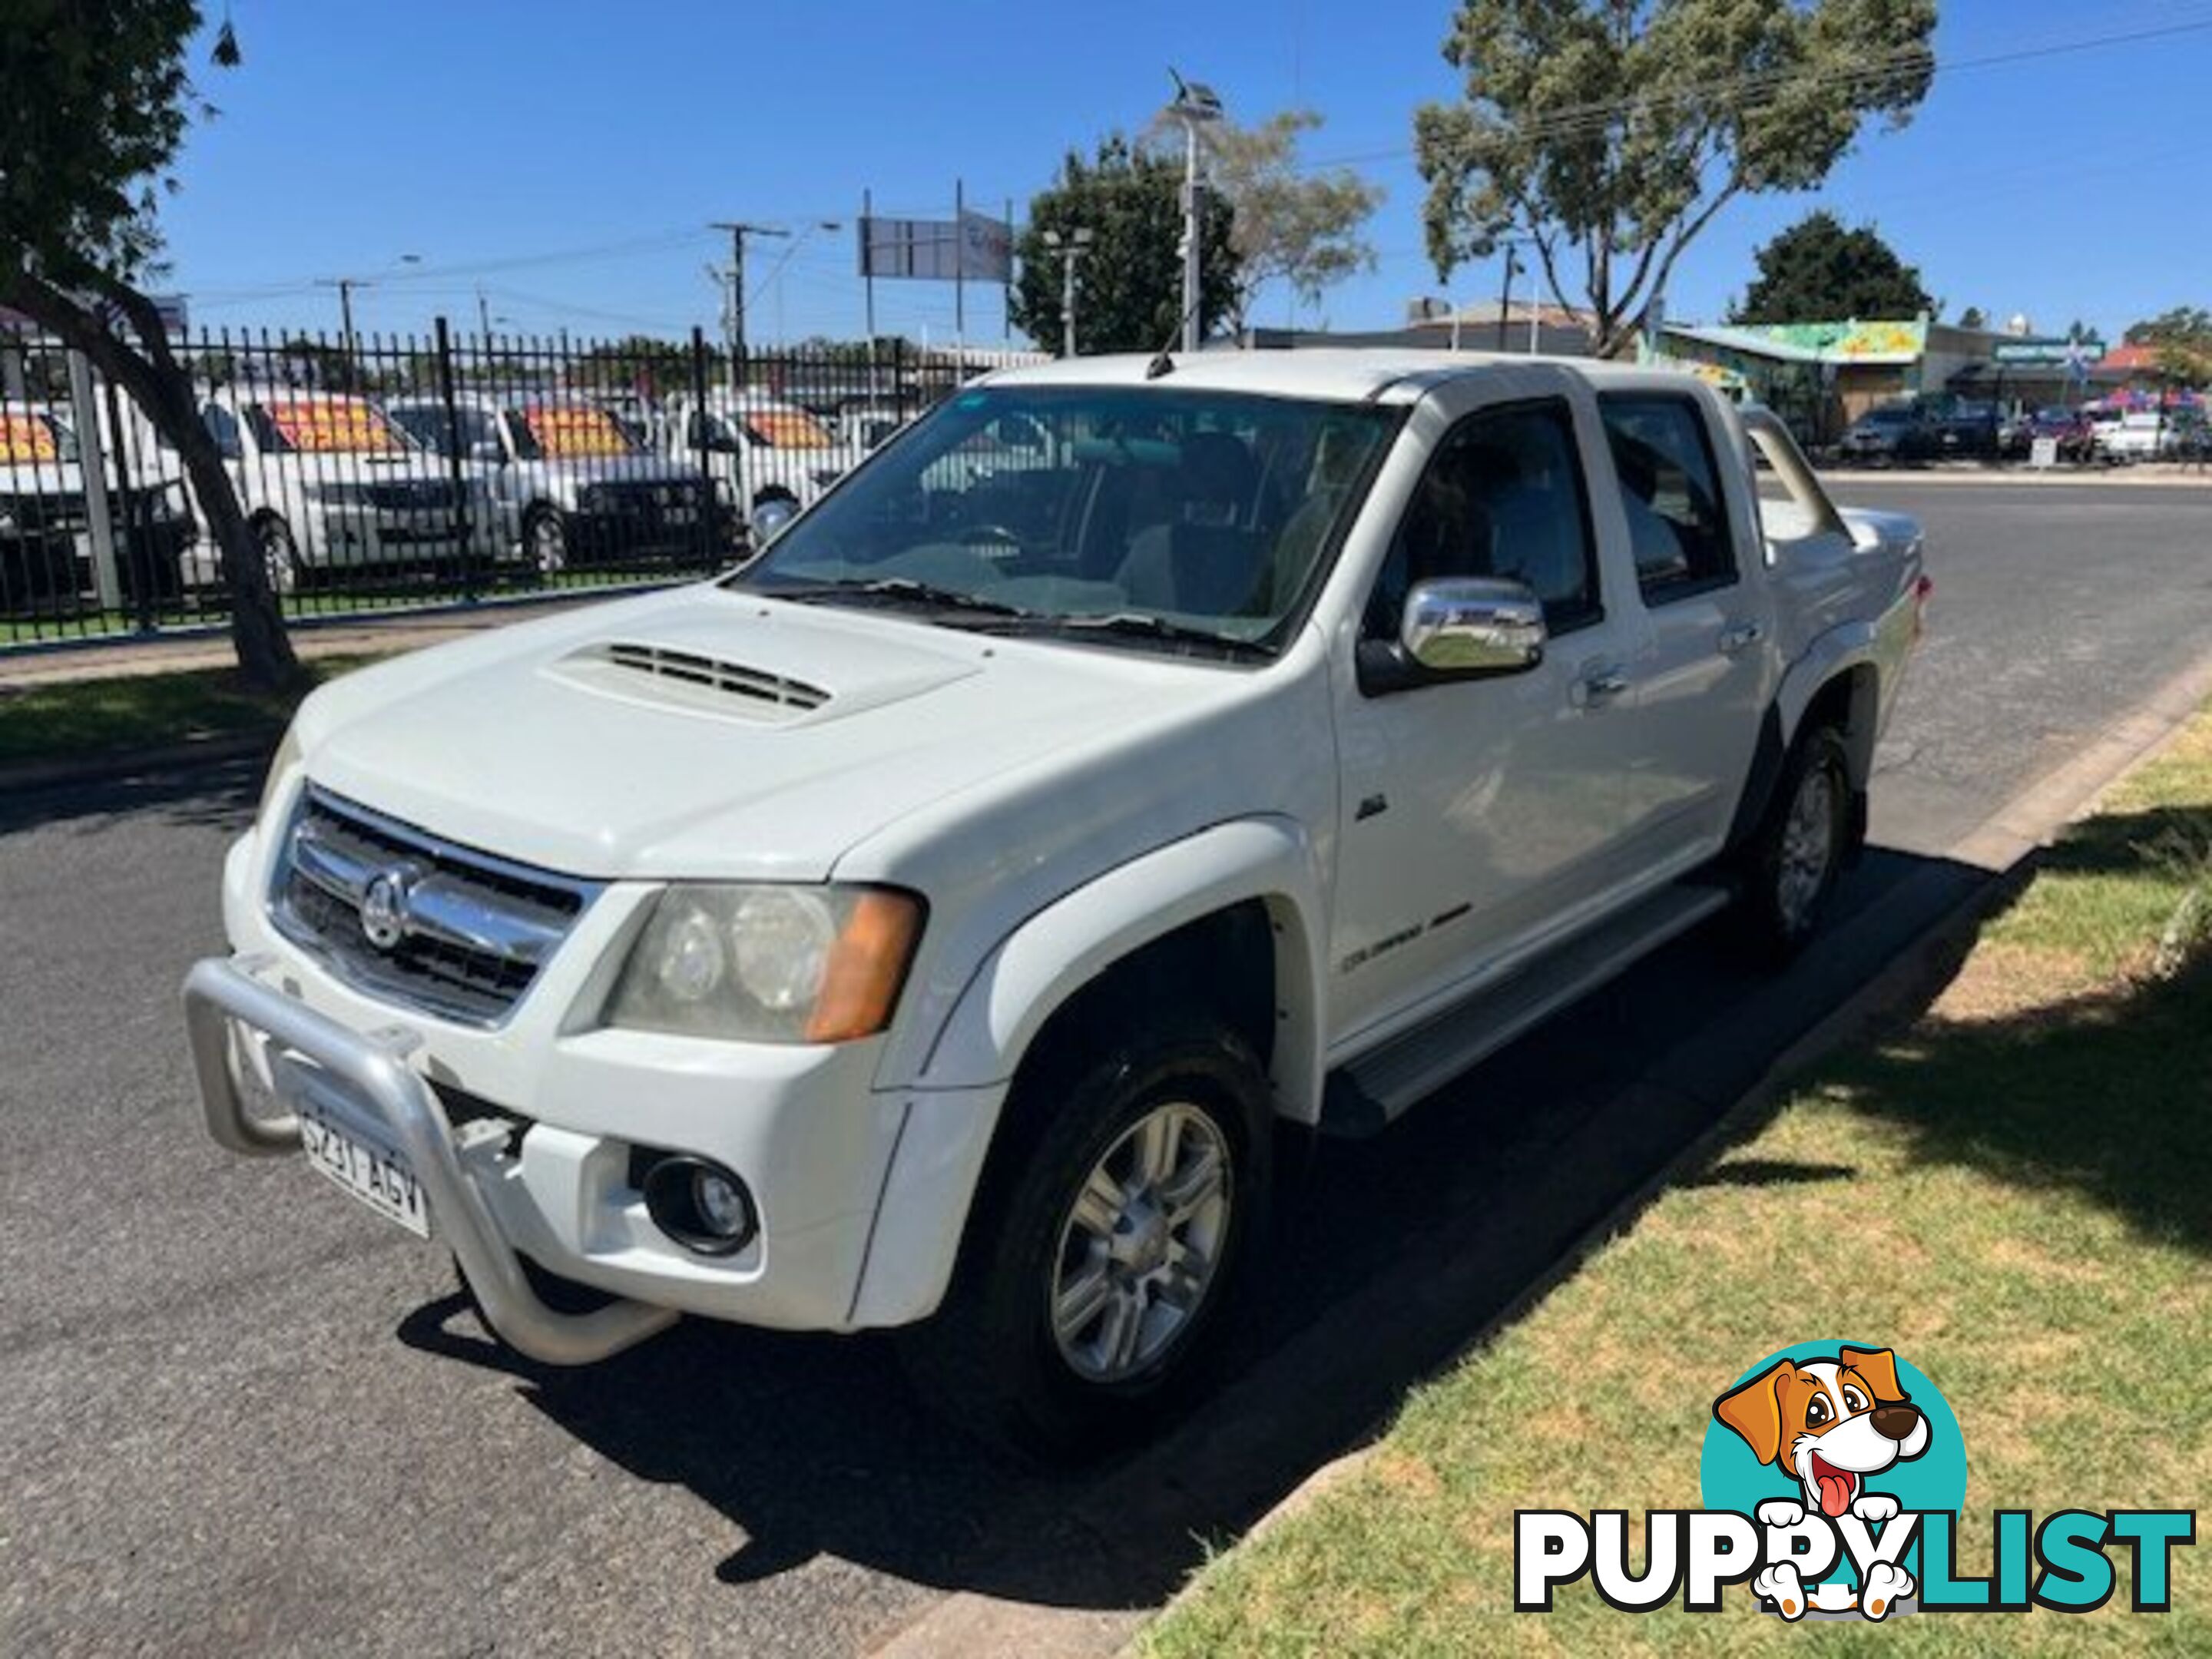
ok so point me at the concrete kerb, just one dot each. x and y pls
(2163, 475)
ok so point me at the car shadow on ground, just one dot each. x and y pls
(221, 794)
(1391, 1255)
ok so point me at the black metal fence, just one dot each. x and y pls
(380, 471)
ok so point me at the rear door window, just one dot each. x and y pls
(1678, 523)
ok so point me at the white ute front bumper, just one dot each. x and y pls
(538, 1158)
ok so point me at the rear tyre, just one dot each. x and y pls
(1791, 865)
(1107, 1249)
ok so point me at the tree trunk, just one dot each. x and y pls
(155, 383)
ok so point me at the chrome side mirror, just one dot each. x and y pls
(1473, 625)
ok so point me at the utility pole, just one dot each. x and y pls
(345, 286)
(1505, 291)
(733, 308)
(1069, 249)
(484, 313)
(959, 262)
(1195, 105)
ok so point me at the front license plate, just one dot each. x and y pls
(378, 1178)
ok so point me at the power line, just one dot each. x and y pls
(1764, 87)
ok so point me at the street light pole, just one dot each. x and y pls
(1070, 251)
(1195, 105)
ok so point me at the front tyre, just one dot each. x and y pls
(1106, 1250)
(280, 554)
(1792, 863)
(545, 540)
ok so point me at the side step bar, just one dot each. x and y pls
(1361, 1097)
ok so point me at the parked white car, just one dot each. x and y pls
(329, 484)
(2139, 435)
(927, 927)
(574, 485)
(46, 555)
(772, 458)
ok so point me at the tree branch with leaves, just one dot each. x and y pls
(1297, 225)
(1622, 128)
(94, 101)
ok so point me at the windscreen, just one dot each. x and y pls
(327, 426)
(1209, 509)
(788, 429)
(27, 437)
(570, 431)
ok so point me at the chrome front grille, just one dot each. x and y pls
(412, 495)
(408, 918)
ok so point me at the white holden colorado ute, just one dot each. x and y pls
(930, 924)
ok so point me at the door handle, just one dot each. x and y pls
(1599, 686)
(1741, 636)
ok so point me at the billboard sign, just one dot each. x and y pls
(974, 247)
(2047, 353)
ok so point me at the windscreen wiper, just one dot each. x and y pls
(904, 589)
(1143, 624)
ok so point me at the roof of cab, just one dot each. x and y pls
(1333, 374)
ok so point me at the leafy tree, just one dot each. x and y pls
(2185, 324)
(1972, 316)
(1129, 283)
(1291, 226)
(319, 364)
(663, 366)
(1616, 130)
(2182, 342)
(1816, 270)
(94, 100)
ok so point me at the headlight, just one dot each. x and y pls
(280, 765)
(767, 963)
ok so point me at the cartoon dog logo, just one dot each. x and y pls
(1831, 1423)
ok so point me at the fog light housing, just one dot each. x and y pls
(704, 1207)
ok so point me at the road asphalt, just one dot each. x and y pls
(244, 1416)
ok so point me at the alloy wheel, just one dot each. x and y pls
(1142, 1244)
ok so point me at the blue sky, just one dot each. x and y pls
(568, 155)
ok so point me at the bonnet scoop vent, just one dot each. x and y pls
(714, 674)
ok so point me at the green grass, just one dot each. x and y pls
(147, 711)
(317, 604)
(2017, 1193)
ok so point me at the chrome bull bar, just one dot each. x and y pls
(374, 1081)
